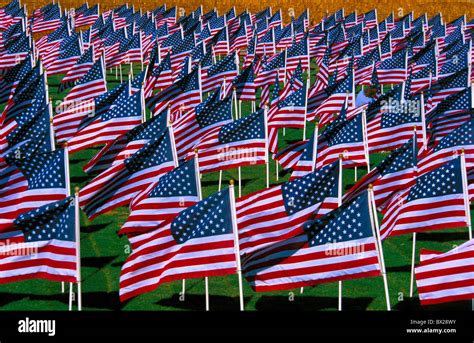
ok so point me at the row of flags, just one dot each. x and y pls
(181, 116)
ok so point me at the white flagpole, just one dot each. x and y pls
(376, 232)
(68, 192)
(240, 181)
(413, 248)
(267, 162)
(236, 243)
(339, 202)
(366, 143)
(78, 249)
(412, 270)
(198, 183)
(220, 180)
(465, 187)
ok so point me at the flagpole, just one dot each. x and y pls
(51, 127)
(267, 162)
(366, 143)
(376, 232)
(236, 243)
(240, 181)
(339, 202)
(198, 183)
(466, 192)
(78, 249)
(68, 193)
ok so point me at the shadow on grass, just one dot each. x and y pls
(197, 302)
(94, 227)
(99, 300)
(80, 179)
(310, 303)
(399, 269)
(441, 236)
(97, 262)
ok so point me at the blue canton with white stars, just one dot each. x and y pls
(349, 222)
(209, 217)
(444, 180)
(180, 182)
(249, 127)
(310, 189)
(52, 221)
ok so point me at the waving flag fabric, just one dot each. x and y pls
(271, 215)
(118, 185)
(44, 245)
(435, 202)
(164, 199)
(188, 247)
(310, 257)
(242, 142)
(445, 277)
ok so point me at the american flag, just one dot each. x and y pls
(86, 17)
(15, 51)
(297, 54)
(272, 68)
(325, 103)
(449, 114)
(459, 139)
(118, 185)
(244, 84)
(445, 277)
(312, 256)
(393, 70)
(127, 144)
(181, 96)
(396, 172)
(197, 123)
(242, 142)
(391, 128)
(25, 95)
(45, 20)
(289, 112)
(91, 85)
(162, 76)
(164, 199)
(435, 202)
(33, 123)
(306, 162)
(188, 247)
(294, 82)
(43, 246)
(449, 85)
(30, 178)
(78, 70)
(346, 137)
(12, 78)
(272, 215)
(70, 51)
(220, 42)
(70, 119)
(105, 127)
(226, 69)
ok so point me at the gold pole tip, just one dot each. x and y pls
(76, 189)
(341, 156)
(231, 182)
(371, 186)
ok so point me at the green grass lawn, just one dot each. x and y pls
(103, 253)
